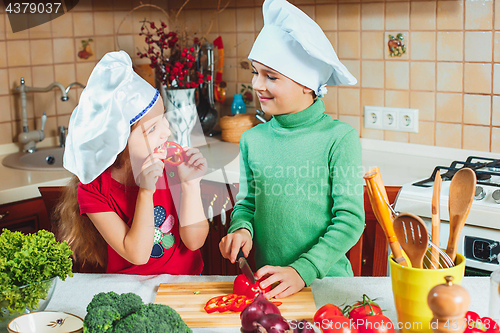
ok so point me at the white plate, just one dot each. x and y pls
(45, 322)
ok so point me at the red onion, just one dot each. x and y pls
(273, 323)
(265, 305)
(302, 326)
(253, 313)
(250, 315)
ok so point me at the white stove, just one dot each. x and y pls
(480, 238)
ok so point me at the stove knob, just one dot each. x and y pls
(480, 193)
(496, 196)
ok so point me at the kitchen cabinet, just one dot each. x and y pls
(26, 216)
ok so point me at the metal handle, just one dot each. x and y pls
(211, 212)
(4, 215)
(225, 204)
(213, 200)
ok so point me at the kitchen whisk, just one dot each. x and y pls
(442, 258)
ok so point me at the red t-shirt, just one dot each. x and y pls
(169, 255)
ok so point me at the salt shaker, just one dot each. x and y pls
(449, 303)
(495, 294)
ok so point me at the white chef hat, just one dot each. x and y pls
(115, 98)
(294, 45)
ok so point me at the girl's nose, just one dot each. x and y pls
(258, 83)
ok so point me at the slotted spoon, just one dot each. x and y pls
(413, 237)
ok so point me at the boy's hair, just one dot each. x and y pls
(82, 236)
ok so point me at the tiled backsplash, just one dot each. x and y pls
(449, 71)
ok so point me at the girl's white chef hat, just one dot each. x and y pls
(294, 45)
(115, 98)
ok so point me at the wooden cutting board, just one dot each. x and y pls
(182, 297)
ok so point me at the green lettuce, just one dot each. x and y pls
(26, 259)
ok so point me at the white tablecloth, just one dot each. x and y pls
(75, 293)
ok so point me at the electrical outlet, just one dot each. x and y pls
(373, 117)
(408, 120)
(391, 119)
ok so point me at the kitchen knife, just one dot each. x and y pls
(245, 268)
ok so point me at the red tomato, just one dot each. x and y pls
(363, 308)
(327, 311)
(242, 286)
(375, 324)
(337, 324)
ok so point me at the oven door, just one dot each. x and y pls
(479, 246)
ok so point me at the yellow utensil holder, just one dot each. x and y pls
(411, 286)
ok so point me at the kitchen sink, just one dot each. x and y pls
(44, 159)
(218, 155)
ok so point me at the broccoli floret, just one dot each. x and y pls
(161, 318)
(129, 303)
(110, 312)
(131, 323)
(125, 303)
(100, 319)
(111, 298)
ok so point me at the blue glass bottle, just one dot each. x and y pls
(238, 105)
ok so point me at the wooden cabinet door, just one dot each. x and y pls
(26, 216)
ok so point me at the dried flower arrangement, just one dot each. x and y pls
(174, 64)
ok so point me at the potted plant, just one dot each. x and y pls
(29, 267)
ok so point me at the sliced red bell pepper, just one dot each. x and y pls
(175, 153)
(226, 302)
(212, 304)
(239, 303)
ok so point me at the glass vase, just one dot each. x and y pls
(181, 113)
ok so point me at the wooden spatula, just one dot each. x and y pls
(413, 237)
(436, 220)
(460, 197)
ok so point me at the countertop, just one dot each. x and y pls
(76, 292)
(399, 163)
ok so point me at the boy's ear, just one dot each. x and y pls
(306, 90)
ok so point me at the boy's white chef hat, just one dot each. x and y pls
(115, 98)
(294, 45)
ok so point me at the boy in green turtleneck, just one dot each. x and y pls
(301, 188)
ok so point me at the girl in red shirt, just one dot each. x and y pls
(119, 209)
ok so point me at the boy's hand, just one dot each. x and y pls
(193, 168)
(289, 281)
(230, 245)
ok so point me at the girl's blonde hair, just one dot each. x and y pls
(89, 248)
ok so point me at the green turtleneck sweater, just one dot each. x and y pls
(301, 192)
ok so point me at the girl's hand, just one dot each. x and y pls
(289, 280)
(151, 170)
(231, 244)
(194, 168)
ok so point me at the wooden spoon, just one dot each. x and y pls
(435, 220)
(413, 237)
(460, 197)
